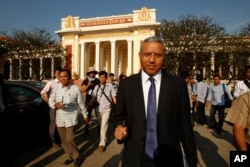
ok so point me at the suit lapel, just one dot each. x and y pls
(164, 91)
(138, 94)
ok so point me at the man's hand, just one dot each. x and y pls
(58, 105)
(45, 97)
(86, 121)
(121, 132)
(193, 97)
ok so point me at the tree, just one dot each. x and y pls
(187, 40)
(26, 49)
(246, 30)
(232, 54)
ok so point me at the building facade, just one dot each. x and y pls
(109, 43)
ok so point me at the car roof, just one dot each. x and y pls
(36, 84)
(24, 84)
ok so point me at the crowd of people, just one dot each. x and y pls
(202, 95)
(154, 115)
(137, 99)
(66, 99)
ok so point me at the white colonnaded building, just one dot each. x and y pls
(109, 43)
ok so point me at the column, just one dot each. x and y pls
(63, 58)
(97, 55)
(108, 60)
(121, 62)
(21, 66)
(76, 56)
(212, 63)
(82, 59)
(30, 69)
(101, 55)
(87, 57)
(52, 67)
(113, 56)
(41, 66)
(129, 69)
(117, 60)
(11, 68)
(204, 72)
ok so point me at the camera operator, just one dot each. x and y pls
(88, 85)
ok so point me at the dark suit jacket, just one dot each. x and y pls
(173, 122)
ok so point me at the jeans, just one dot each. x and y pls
(213, 122)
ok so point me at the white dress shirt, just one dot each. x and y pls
(202, 90)
(146, 85)
(240, 88)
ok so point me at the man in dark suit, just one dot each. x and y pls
(172, 125)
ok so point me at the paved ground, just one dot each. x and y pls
(213, 150)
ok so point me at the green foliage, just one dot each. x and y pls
(190, 41)
(30, 47)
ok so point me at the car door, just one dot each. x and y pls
(28, 113)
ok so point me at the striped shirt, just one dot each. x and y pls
(72, 99)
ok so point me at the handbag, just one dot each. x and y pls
(228, 102)
(93, 103)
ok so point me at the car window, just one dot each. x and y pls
(37, 84)
(22, 94)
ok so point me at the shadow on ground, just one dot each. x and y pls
(209, 152)
(86, 144)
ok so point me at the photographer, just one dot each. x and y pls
(88, 85)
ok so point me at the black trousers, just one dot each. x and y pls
(201, 117)
(221, 113)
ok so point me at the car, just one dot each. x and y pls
(25, 121)
(38, 84)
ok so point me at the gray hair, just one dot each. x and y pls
(153, 39)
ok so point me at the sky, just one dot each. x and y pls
(28, 14)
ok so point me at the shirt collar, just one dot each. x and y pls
(57, 81)
(67, 87)
(145, 76)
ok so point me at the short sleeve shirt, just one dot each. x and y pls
(239, 113)
(104, 103)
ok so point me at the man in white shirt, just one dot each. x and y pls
(111, 79)
(202, 90)
(46, 92)
(66, 99)
(105, 94)
(242, 86)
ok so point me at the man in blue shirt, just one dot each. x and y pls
(216, 95)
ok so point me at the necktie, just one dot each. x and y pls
(151, 136)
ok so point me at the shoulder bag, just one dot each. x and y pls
(112, 105)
